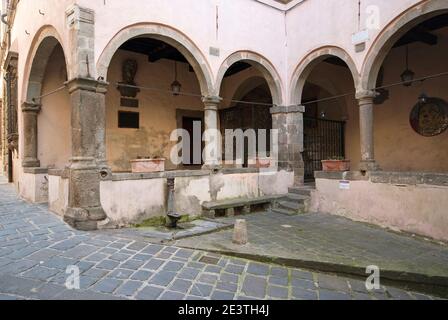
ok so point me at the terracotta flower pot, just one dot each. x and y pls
(148, 165)
(335, 165)
(260, 162)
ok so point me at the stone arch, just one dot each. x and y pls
(168, 35)
(43, 45)
(262, 64)
(386, 39)
(307, 64)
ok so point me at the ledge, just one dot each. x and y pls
(159, 175)
(347, 175)
(396, 178)
(239, 170)
(410, 178)
(35, 170)
(178, 174)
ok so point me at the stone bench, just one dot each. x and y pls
(230, 207)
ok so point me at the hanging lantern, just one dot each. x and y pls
(323, 114)
(176, 86)
(423, 98)
(407, 77)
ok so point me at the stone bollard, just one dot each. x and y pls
(240, 232)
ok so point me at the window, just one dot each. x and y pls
(129, 120)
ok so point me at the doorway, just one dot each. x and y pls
(323, 140)
(195, 128)
(10, 167)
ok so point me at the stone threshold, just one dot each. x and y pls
(397, 178)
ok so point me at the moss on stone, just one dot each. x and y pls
(151, 222)
(161, 221)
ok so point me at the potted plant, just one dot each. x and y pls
(336, 164)
(148, 164)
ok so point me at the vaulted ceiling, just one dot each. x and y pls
(156, 50)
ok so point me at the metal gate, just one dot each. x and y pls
(323, 140)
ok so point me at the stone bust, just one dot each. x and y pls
(129, 71)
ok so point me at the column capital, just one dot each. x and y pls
(87, 84)
(211, 100)
(288, 109)
(31, 107)
(366, 94)
(11, 60)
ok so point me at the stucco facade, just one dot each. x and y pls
(71, 151)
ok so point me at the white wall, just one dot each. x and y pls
(131, 201)
(419, 209)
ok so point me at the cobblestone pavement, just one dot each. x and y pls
(36, 247)
(332, 241)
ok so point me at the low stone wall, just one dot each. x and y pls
(130, 198)
(33, 186)
(57, 192)
(411, 202)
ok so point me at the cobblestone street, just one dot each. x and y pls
(36, 247)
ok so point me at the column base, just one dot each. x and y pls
(84, 219)
(31, 163)
(369, 165)
(84, 210)
(298, 167)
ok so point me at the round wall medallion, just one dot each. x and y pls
(429, 117)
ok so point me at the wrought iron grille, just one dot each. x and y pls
(323, 139)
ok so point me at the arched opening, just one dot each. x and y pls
(247, 100)
(331, 119)
(153, 91)
(52, 105)
(411, 118)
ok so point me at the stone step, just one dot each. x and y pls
(304, 190)
(290, 205)
(284, 211)
(297, 197)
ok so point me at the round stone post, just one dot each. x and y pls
(211, 155)
(365, 100)
(88, 153)
(30, 111)
(288, 121)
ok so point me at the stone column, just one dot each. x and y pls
(88, 153)
(212, 151)
(365, 100)
(30, 111)
(288, 120)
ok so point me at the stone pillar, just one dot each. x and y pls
(288, 120)
(88, 153)
(212, 151)
(30, 111)
(365, 100)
